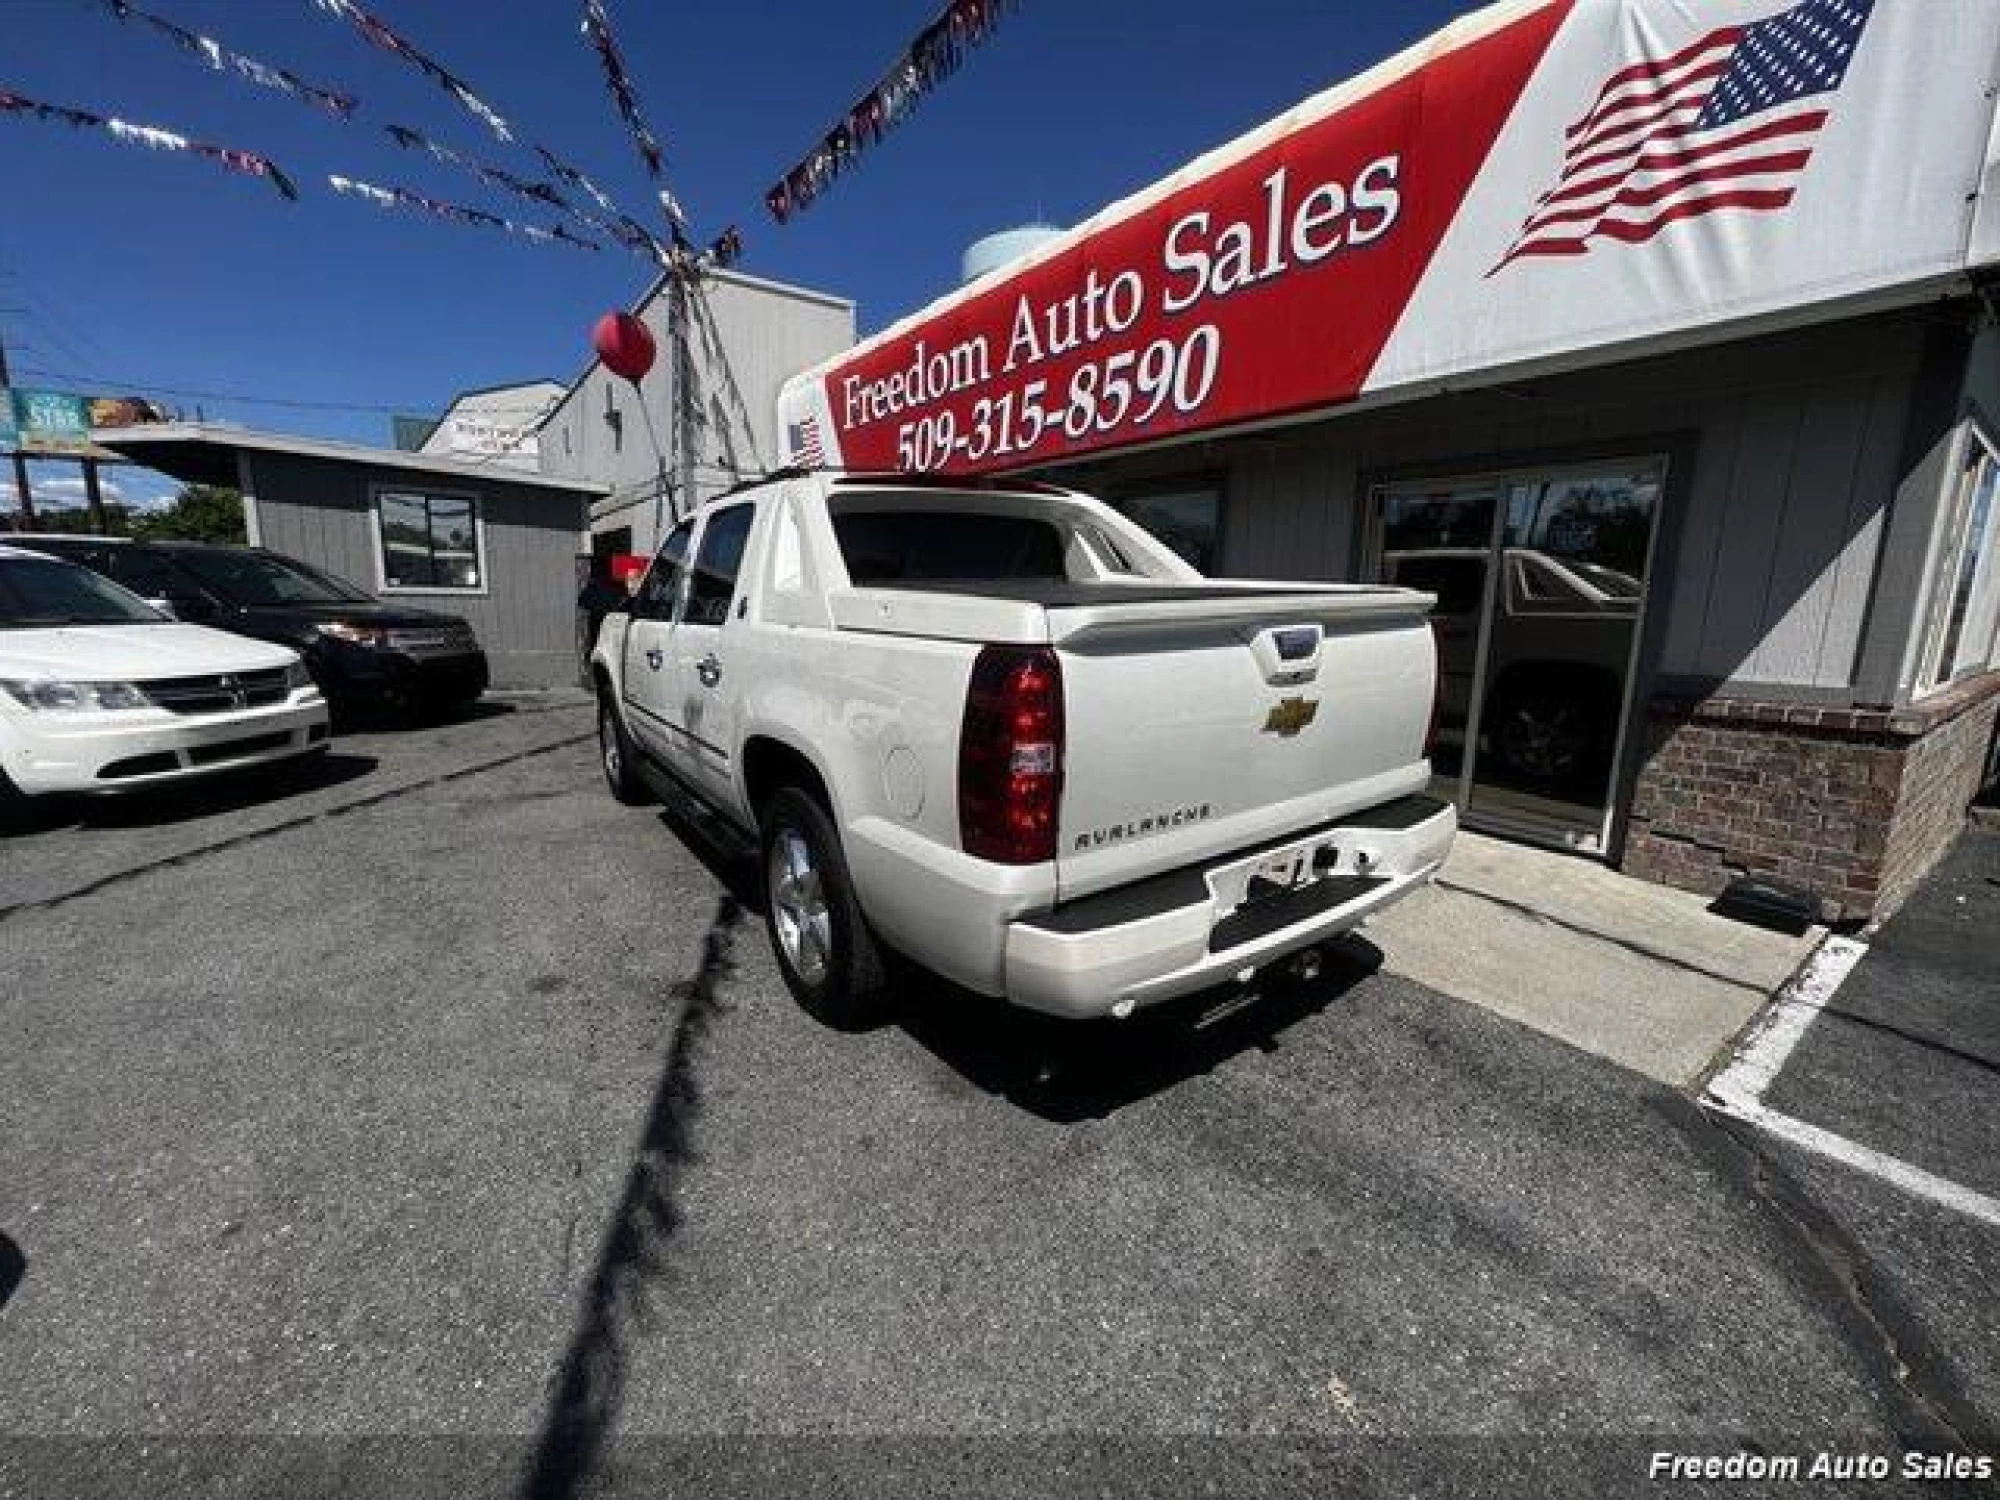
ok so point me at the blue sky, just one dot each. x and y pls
(126, 270)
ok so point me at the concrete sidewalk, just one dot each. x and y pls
(1643, 975)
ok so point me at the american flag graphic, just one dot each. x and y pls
(1727, 122)
(804, 438)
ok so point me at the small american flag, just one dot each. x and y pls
(804, 437)
(1726, 122)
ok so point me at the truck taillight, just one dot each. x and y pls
(1010, 752)
(1437, 691)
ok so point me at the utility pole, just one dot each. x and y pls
(93, 495)
(681, 314)
(22, 489)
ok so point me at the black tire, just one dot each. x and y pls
(617, 756)
(1554, 736)
(13, 805)
(849, 988)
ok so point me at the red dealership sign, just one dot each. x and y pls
(1541, 179)
(1267, 287)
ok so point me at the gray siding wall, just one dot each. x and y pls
(1785, 453)
(323, 514)
(750, 337)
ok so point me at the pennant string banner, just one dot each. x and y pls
(597, 26)
(936, 54)
(214, 55)
(378, 34)
(634, 236)
(727, 248)
(622, 229)
(246, 162)
(576, 179)
(521, 187)
(616, 223)
(676, 215)
(458, 213)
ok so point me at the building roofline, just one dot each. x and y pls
(658, 284)
(782, 288)
(125, 440)
(507, 385)
(504, 385)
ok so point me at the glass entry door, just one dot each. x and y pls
(1541, 585)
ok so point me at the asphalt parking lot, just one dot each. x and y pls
(438, 1097)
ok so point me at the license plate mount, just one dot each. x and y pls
(1277, 874)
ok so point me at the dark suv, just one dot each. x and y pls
(362, 652)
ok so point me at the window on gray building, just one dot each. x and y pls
(429, 541)
(1188, 519)
(1965, 613)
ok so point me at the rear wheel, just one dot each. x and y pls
(13, 803)
(1555, 735)
(829, 958)
(617, 755)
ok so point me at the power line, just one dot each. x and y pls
(147, 388)
(60, 346)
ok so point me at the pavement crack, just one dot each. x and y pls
(288, 825)
(1522, 908)
(1889, 1337)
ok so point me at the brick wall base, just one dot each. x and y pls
(1855, 804)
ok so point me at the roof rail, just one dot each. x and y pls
(902, 478)
(995, 483)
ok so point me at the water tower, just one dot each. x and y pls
(997, 250)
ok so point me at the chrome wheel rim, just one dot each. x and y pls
(798, 907)
(1547, 744)
(607, 742)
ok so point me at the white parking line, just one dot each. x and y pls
(1769, 1045)
(1737, 1092)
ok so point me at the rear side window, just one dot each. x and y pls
(717, 564)
(900, 545)
(663, 580)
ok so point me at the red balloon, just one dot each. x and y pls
(624, 344)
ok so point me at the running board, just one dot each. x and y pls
(724, 834)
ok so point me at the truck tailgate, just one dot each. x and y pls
(1197, 726)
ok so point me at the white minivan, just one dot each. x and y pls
(101, 692)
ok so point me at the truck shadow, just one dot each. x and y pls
(1067, 1071)
(13, 1268)
(589, 1394)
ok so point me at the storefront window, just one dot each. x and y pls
(429, 541)
(1966, 615)
(1187, 520)
(1540, 578)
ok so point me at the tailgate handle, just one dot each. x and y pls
(1297, 643)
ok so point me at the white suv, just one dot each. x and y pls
(100, 692)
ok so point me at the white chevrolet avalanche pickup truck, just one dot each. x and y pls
(1008, 734)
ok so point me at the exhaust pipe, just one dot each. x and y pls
(1305, 965)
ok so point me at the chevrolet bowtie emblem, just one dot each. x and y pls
(1289, 715)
